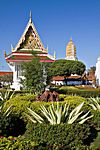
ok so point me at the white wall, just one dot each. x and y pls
(58, 82)
(97, 72)
(16, 75)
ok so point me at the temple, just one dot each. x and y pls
(71, 51)
(28, 44)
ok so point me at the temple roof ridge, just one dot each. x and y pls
(29, 24)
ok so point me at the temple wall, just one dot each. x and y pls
(97, 73)
(15, 67)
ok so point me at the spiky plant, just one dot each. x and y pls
(94, 103)
(59, 114)
(3, 97)
(6, 95)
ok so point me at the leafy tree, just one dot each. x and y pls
(91, 74)
(66, 67)
(33, 73)
(6, 79)
(92, 69)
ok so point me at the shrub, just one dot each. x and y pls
(20, 104)
(4, 118)
(80, 92)
(73, 101)
(63, 136)
(12, 126)
(4, 123)
(94, 103)
(96, 144)
(12, 143)
(26, 97)
(61, 97)
(96, 119)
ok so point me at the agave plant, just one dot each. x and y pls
(59, 114)
(3, 97)
(94, 103)
(6, 112)
(6, 95)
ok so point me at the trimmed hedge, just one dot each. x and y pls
(87, 93)
(63, 136)
(20, 104)
(96, 119)
(12, 126)
(12, 143)
(96, 144)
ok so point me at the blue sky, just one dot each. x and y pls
(56, 21)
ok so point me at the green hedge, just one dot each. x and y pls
(96, 144)
(96, 119)
(19, 107)
(12, 126)
(63, 136)
(20, 103)
(13, 143)
(87, 93)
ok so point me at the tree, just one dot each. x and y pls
(33, 73)
(91, 74)
(6, 80)
(66, 68)
(92, 69)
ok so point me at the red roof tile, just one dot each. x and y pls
(2, 73)
(61, 78)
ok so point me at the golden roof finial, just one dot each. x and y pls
(54, 55)
(47, 49)
(71, 39)
(30, 16)
(5, 53)
(12, 49)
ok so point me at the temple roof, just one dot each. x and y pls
(30, 38)
(26, 56)
(29, 46)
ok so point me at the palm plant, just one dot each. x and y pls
(59, 114)
(94, 103)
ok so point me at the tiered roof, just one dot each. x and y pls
(29, 46)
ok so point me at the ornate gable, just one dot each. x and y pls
(30, 39)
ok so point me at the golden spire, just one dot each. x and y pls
(71, 50)
(70, 39)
